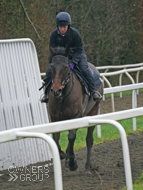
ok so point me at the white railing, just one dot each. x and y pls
(120, 73)
(123, 67)
(106, 68)
(120, 66)
(110, 118)
(132, 87)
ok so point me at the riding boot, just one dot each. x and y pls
(93, 84)
(48, 81)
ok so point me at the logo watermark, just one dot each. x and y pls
(29, 173)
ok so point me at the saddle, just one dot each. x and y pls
(83, 80)
(88, 101)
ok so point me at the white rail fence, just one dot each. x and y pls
(38, 130)
(124, 71)
(123, 67)
(132, 87)
(136, 68)
(106, 68)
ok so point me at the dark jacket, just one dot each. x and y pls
(72, 39)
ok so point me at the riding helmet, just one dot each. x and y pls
(63, 19)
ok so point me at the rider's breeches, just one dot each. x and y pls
(83, 66)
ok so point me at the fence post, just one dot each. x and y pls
(56, 157)
(125, 148)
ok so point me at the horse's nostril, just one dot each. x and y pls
(56, 93)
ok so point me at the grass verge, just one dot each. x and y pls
(138, 185)
(108, 132)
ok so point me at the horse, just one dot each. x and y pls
(66, 97)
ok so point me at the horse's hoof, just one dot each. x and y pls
(73, 166)
(88, 171)
(88, 168)
(62, 155)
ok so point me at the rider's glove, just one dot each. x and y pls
(71, 65)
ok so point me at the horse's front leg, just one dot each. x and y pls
(72, 164)
(89, 143)
(56, 137)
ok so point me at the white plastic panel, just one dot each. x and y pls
(20, 81)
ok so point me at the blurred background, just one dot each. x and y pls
(111, 30)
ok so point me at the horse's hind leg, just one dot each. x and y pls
(56, 137)
(89, 143)
(89, 138)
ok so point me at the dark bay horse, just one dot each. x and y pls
(66, 98)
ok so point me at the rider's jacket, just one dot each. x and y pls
(72, 39)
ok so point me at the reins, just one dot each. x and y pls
(65, 83)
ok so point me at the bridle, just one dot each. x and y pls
(66, 80)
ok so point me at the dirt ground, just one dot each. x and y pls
(107, 163)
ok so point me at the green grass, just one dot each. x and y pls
(138, 185)
(108, 132)
(140, 179)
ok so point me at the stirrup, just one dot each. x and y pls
(44, 99)
(99, 94)
(96, 95)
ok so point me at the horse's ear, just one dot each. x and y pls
(67, 50)
(52, 50)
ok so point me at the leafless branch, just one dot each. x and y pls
(29, 19)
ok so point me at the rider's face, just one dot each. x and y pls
(63, 29)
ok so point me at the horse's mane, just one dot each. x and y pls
(57, 51)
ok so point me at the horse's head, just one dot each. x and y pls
(60, 70)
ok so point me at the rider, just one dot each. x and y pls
(65, 35)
